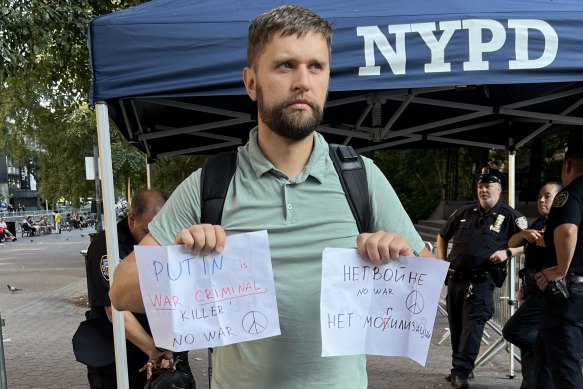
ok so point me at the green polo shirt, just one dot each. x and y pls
(303, 215)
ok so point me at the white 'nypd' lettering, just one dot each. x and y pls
(397, 56)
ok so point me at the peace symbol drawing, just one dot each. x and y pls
(415, 302)
(254, 322)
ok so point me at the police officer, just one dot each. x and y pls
(561, 329)
(140, 346)
(481, 231)
(522, 328)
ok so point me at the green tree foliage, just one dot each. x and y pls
(44, 83)
(416, 176)
(168, 173)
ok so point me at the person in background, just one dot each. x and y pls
(560, 342)
(481, 231)
(28, 226)
(285, 183)
(522, 328)
(140, 345)
(5, 232)
(57, 218)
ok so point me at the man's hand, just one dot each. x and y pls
(531, 236)
(379, 246)
(498, 256)
(156, 358)
(202, 238)
(540, 242)
(550, 274)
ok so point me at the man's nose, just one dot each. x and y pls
(301, 80)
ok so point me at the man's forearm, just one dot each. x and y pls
(136, 334)
(516, 240)
(565, 237)
(441, 247)
(125, 294)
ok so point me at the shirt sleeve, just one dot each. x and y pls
(448, 229)
(387, 212)
(569, 210)
(98, 275)
(182, 210)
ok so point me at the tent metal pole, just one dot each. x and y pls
(108, 196)
(512, 270)
(148, 175)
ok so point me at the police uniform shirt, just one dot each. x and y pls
(567, 209)
(534, 256)
(98, 269)
(478, 235)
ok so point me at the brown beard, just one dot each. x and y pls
(291, 125)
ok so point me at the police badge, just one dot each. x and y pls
(498, 223)
(521, 222)
(104, 267)
(561, 199)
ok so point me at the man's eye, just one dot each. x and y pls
(286, 65)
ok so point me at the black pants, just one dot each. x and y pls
(561, 339)
(467, 318)
(522, 330)
(105, 377)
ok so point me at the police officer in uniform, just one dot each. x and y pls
(561, 329)
(140, 345)
(481, 231)
(522, 328)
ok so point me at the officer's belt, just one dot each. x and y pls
(475, 275)
(524, 272)
(527, 275)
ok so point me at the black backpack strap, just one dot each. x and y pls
(215, 179)
(350, 168)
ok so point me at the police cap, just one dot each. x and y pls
(489, 175)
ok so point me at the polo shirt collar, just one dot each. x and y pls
(316, 166)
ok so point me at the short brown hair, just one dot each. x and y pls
(145, 200)
(286, 20)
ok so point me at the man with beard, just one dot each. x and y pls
(285, 183)
(481, 231)
(522, 328)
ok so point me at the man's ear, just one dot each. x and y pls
(131, 221)
(568, 166)
(250, 83)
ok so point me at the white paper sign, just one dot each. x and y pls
(385, 310)
(195, 302)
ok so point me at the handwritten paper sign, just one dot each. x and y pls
(195, 302)
(380, 310)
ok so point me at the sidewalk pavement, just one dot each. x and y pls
(41, 318)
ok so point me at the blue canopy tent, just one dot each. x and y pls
(479, 72)
(405, 73)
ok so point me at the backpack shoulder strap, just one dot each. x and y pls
(215, 179)
(350, 168)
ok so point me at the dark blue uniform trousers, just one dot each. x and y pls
(467, 318)
(561, 339)
(522, 330)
